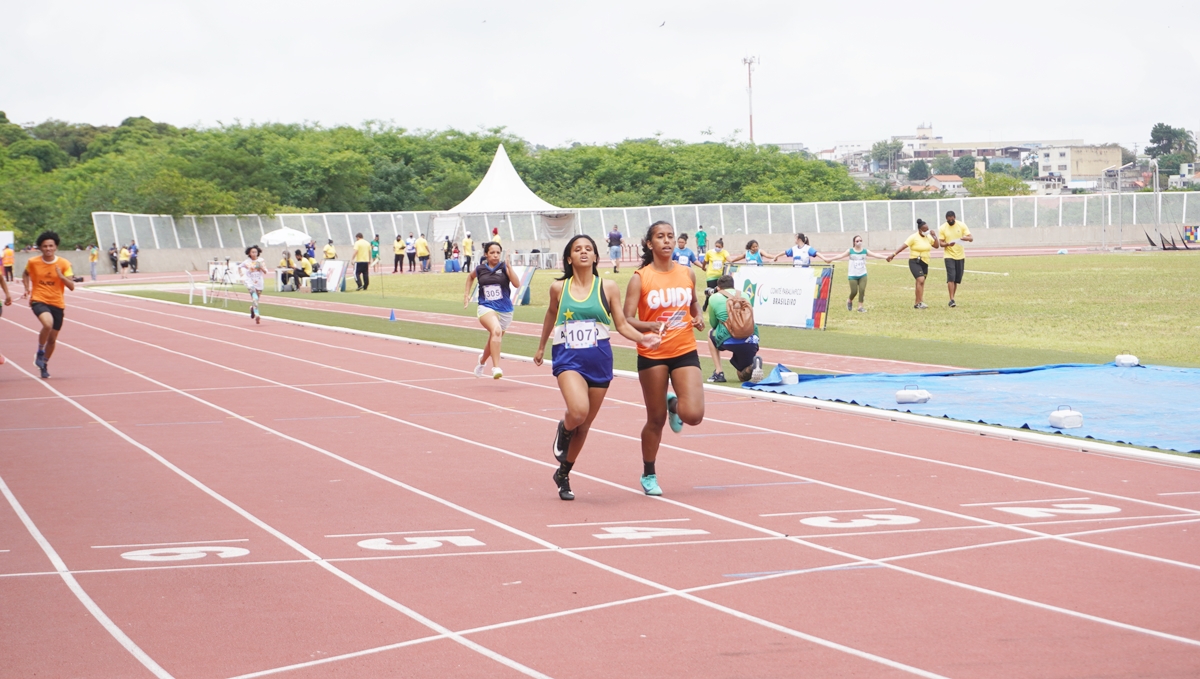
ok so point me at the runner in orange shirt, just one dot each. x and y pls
(45, 279)
(661, 298)
(7, 302)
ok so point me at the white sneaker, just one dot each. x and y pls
(497, 373)
(479, 370)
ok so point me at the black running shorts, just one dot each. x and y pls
(690, 359)
(56, 313)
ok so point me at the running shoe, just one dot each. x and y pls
(497, 373)
(258, 319)
(717, 377)
(650, 484)
(922, 305)
(563, 481)
(952, 304)
(862, 309)
(673, 418)
(45, 372)
(40, 360)
(757, 374)
(479, 370)
(562, 442)
(252, 313)
(850, 305)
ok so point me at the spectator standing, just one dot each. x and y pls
(447, 248)
(329, 251)
(410, 251)
(123, 257)
(8, 262)
(423, 252)
(133, 256)
(744, 350)
(375, 254)
(362, 262)
(310, 250)
(495, 237)
(952, 234)
(614, 248)
(701, 240)
(114, 258)
(919, 245)
(468, 248)
(857, 273)
(93, 258)
(398, 258)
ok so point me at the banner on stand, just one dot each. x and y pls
(787, 296)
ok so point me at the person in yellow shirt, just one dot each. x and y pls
(303, 268)
(123, 258)
(45, 280)
(714, 263)
(919, 245)
(468, 248)
(423, 253)
(8, 262)
(362, 262)
(93, 257)
(329, 250)
(952, 235)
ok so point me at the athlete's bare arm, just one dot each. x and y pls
(612, 293)
(548, 323)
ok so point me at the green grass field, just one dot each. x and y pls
(1047, 309)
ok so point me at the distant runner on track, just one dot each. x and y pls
(661, 298)
(582, 306)
(496, 280)
(7, 302)
(46, 278)
(254, 270)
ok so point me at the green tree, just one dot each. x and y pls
(72, 138)
(943, 165)
(885, 152)
(47, 153)
(918, 171)
(996, 184)
(1165, 139)
(9, 132)
(1169, 164)
(964, 166)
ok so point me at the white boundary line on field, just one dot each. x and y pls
(927, 420)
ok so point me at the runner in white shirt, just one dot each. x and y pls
(254, 271)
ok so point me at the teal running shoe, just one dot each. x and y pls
(650, 485)
(673, 419)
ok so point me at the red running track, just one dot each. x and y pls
(194, 496)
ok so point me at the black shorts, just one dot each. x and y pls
(954, 270)
(56, 313)
(743, 352)
(688, 360)
(918, 268)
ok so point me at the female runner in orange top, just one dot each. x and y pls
(661, 298)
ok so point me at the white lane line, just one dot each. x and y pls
(631, 522)
(834, 511)
(173, 424)
(481, 517)
(611, 399)
(402, 532)
(42, 428)
(1021, 502)
(167, 544)
(1186, 492)
(696, 453)
(312, 556)
(319, 417)
(705, 512)
(63, 572)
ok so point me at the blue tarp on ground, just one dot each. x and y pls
(1151, 406)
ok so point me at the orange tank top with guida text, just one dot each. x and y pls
(667, 298)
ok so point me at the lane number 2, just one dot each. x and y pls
(868, 521)
(184, 553)
(423, 542)
(1055, 510)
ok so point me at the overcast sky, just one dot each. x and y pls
(557, 72)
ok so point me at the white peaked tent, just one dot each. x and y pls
(502, 192)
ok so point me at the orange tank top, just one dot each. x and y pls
(667, 298)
